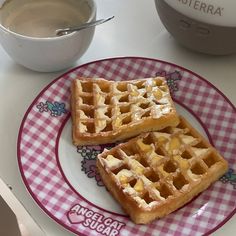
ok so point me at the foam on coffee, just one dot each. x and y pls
(41, 18)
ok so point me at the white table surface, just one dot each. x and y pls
(135, 31)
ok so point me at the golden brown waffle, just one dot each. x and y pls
(107, 111)
(156, 173)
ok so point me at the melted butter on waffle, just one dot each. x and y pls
(112, 162)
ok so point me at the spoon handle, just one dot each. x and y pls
(83, 26)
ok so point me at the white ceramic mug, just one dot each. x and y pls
(46, 54)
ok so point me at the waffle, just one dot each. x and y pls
(107, 111)
(156, 173)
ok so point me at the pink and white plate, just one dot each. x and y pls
(63, 179)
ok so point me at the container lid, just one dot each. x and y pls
(216, 12)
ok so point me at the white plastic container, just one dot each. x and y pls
(207, 26)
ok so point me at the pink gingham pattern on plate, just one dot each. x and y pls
(40, 133)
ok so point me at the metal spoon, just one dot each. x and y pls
(60, 32)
